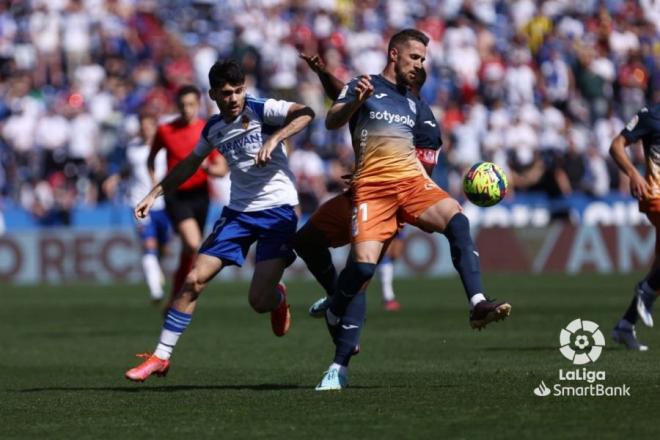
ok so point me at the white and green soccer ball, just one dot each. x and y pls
(485, 184)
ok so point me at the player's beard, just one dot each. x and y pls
(401, 77)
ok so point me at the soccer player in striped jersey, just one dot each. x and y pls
(250, 135)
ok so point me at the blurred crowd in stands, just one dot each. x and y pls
(539, 87)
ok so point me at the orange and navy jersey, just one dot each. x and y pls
(645, 126)
(382, 131)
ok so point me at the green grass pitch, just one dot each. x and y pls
(423, 372)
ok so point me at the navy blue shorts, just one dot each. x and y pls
(156, 225)
(235, 231)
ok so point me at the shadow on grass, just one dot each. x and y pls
(176, 388)
(546, 348)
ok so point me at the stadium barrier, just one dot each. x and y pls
(113, 255)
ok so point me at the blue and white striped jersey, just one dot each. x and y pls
(252, 188)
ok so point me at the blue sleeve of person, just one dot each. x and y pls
(638, 127)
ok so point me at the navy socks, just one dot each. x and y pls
(464, 254)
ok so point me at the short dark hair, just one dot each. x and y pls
(186, 90)
(226, 71)
(406, 35)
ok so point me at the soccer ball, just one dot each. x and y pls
(485, 184)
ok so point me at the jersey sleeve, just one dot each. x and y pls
(638, 127)
(157, 143)
(347, 94)
(275, 111)
(204, 147)
(426, 134)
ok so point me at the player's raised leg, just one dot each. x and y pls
(446, 216)
(177, 318)
(268, 294)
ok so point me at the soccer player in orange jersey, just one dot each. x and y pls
(390, 184)
(644, 126)
(329, 226)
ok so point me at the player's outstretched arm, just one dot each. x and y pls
(639, 188)
(179, 174)
(298, 117)
(331, 84)
(217, 166)
(341, 112)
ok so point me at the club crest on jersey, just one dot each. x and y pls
(245, 121)
(412, 105)
(632, 123)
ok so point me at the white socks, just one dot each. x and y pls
(153, 275)
(477, 298)
(386, 272)
(168, 340)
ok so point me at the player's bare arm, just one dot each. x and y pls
(639, 188)
(216, 167)
(298, 117)
(340, 113)
(331, 84)
(151, 162)
(172, 180)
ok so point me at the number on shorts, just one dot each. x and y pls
(363, 210)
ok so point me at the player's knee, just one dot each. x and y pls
(193, 285)
(363, 272)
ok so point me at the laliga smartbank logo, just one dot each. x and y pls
(587, 339)
(581, 342)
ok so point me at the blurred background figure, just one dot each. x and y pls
(539, 87)
(155, 230)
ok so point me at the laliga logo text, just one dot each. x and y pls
(581, 342)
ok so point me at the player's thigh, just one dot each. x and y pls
(436, 217)
(330, 225)
(205, 268)
(654, 218)
(267, 274)
(190, 234)
(374, 216)
(310, 235)
(230, 239)
(367, 251)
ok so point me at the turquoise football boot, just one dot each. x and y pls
(333, 380)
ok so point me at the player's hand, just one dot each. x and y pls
(142, 209)
(639, 188)
(363, 89)
(263, 156)
(314, 62)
